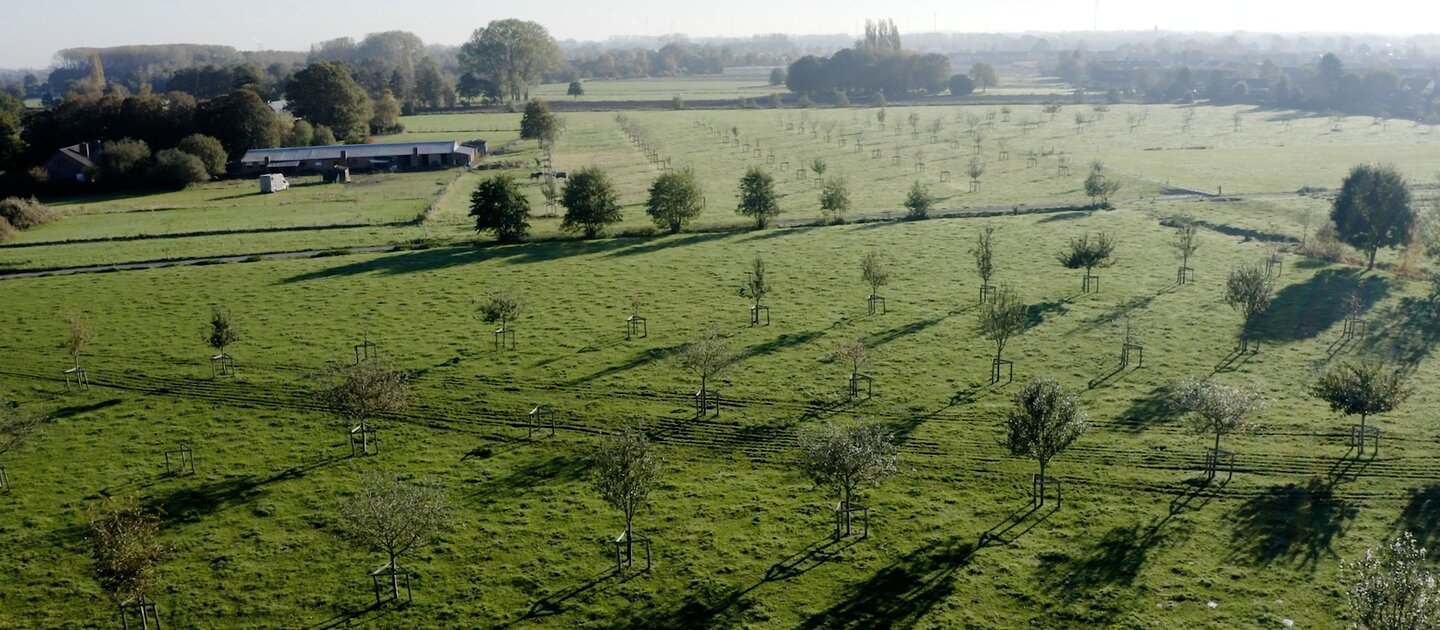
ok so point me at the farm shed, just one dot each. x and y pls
(396, 155)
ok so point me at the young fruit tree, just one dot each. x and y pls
(122, 537)
(975, 169)
(79, 335)
(757, 197)
(1001, 318)
(818, 166)
(756, 287)
(1186, 241)
(843, 459)
(1392, 588)
(856, 355)
(918, 201)
(362, 391)
(222, 330)
(875, 273)
(1372, 210)
(1362, 388)
(500, 207)
(625, 468)
(1089, 252)
(984, 255)
(1248, 290)
(591, 202)
(500, 307)
(1099, 187)
(394, 516)
(1045, 420)
(539, 123)
(835, 199)
(1216, 408)
(707, 357)
(675, 200)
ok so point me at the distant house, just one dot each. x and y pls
(75, 163)
(389, 156)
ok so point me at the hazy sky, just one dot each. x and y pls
(34, 29)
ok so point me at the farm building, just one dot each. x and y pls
(73, 163)
(396, 155)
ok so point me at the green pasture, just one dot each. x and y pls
(740, 535)
(690, 88)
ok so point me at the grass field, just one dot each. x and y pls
(694, 88)
(740, 535)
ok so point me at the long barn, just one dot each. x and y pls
(395, 155)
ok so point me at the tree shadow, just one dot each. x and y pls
(1304, 310)
(784, 341)
(76, 410)
(777, 232)
(1152, 409)
(350, 618)
(709, 606)
(1405, 333)
(1291, 524)
(881, 338)
(1036, 314)
(1421, 515)
(661, 243)
(555, 470)
(1063, 216)
(560, 601)
(189, 505)
(641, 358)
(437, 258)
(902, 593)
(1115, 560)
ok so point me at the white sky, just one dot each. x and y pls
(31, 30)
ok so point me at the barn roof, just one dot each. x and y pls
(355, 151)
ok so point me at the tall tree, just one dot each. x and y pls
(674, 200)
(1373, 209)
(432, 88)
(512, 53)
(326, 94)
(1362, 388)
(591, 202)
(385, 117)
(499, 206)
(1045, 420)
(210, 151)
(984, 75)
(1392, 588)
(395, 516)
(757, 197)
(625, 468)
(845, 458)
(539, 123)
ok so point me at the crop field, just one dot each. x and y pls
(741, 538)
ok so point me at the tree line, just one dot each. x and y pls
(876, 64)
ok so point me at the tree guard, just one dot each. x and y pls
(877, 303)
(624, 558)
(143, 609)
(386, 579)
(1037, 489)
(77, 374)
(366, 350)
(705, 400)
(987, 292)
(1213, 459)
(856, 379)
(222, 365)
(845, 517)
(1185, 275)
(362, 437)
(944, 176)
(4, 479)
(755, 312)
(501, 335)
(1360, 433)
(1087, 281)
(180, 461)
(636, 324)
(539, 416)
(995, 365)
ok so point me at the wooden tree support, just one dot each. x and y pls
(799, 173)
(624, 557)
(362, 438)
(1031, 162)
(1064, 170)
(1274, 265)
(986, 291)
(876, 303)
(503, 334)
(995, 365)
(895, 160)
(1354, 327)
(636, 324)
(366, 350)
(1004, 156)
(974, 185)
(845, 517)
(222, 365)
(180, 461)
(919, 167)
(1214, 458)
(77, 374)
(755, 312)
(143, 609)
(1184, 275)
(944, 176)
(874, 154)
(1088, 281)
(705, 400)
(538, 417)
(4, 479)
(856, 379)
(386, 579)
(1037, 489)
(1125, 350)
(785, 165)
(1360, 434)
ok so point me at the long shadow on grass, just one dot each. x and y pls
(357, 617)
(557, 469)
(667, 242)
(1304, 310)
(76, 410)
(1036, 314)
(1421, 515)
(191, 503)
(777, 344)
(562, 600)
(1291, 524)
(881, 338)
(1152, 409)
(641, 358)
(447, 257)
(1406, 333)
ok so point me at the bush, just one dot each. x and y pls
(7, 231)
(677, 102)
(1325, 245)
(877, 99)
(22, 214)
(209, 150)
(805, 101)
(123, 159)
(176, 169)
(840, 99)
(961, 85)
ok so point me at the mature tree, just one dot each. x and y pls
(385, 117)
(1185, 242)
(1362, 388)
(1215, 407)
(79, 335)
(1089, 252)
(591, 202)
(175, 169)
(432, 88)
(874, 271)
(499, 206)
(208, 149)
(675, 200)
(122, 538)
(777, 76)
(514, 54)
(576, 90)
(835, 198)
(708, 357)
(625, 468)
(961, 85)
(1002, 317)
(984, 75)
(222, 331)
(324, 137)
(1249, 290)
(325, 94)
(844, 458)
(539, 123)
(984, 255)
(240, 120)
(919, 201)
(1373, 209)
(362, 391)
(123, 161)
(758, 197)
(395, 516)
(1392, 588)
(1045, 420)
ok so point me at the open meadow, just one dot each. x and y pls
(741, 537)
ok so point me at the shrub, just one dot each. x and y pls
(23, 214)
(123, 159)
(177, 169)
(210, 151)
(7, 231)
(805, 101)
(1324, 245)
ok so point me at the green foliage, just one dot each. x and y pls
(1392, 588)
(222, 329)
(209, 150)
(984, 76)
(123, 161)
(24, 213)
(874, 271)
(499, 206)
(325, 94)
(1215, 407)
(539, 123)
(395, 516)
(918, 201)
(839, 99)
(624, 469)
(123, 539)
(961, 85)
(1044, 421)
(1362, 388)
(1089, 251)
(1373, 209)
(324, 137)
(674, 200)
(240, 121)
(777, 76)
(984, 254)
(591, 202)
(175, 169)
(386, 116)
(1002, 317)
(757, 197)
(843, 459)
(1249, 290)
(513, 54)
(576, 89)
(363, 391)
(835, 198)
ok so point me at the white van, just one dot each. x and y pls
(273, 182)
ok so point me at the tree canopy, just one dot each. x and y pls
(1373, 209)
(591, 202)
(674, 201)
(325, 94)
(499, 206)
(514, 54)
(757, 197)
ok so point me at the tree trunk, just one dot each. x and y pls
(1362, 426)
(1042, 482)
(1217, 440)
(629, 541)
(1373, 250)
(394, 578)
